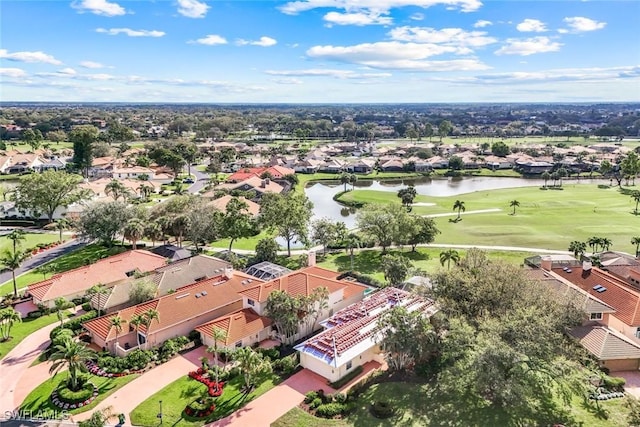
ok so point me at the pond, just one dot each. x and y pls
(321, 193)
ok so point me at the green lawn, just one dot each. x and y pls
(427, 259)
(23, 329)
(177, 395)
(248, 244)
(547, 219)
(75, 259)
(427, 405)
(31, 240)
(38, 400)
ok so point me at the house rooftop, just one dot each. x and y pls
(353, 329)
(267, 270)
(605, 343)
(236, 325)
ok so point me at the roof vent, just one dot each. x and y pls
(204, 293)
(182, 296)
(599, 288)
(200, 279)
(198, 295)
(244, 282)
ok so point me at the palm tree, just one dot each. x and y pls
(74, 355)
(352, 241)
(635, 195)
(636, 241)
(606, 243)
(135, 321)
(251, 364)
(61, 225)
(148, 317)
(116, 189)
(12, 261)
(145, 190)
(578, 248)
(593, 243)
(448, 256)
(218, 335)
(459, 205)
(98, 290)
(153, 231)
(8, 316)
(345, 179)
(61, 304)
(546, 176)
(134, 231)
(99, 418)
(117, 322)
(353, 178)
(16, 236)
(514, 204)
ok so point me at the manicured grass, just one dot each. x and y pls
(426, 405)
(23, 329)
(369, 261)
(30, 241)
(547, 219)
(38, 400)
(177, 395)
(75, 259)
(248, 244)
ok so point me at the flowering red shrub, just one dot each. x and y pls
(215, 389)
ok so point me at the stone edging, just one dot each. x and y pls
(55, 399)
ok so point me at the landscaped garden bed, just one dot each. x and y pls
(64, 398)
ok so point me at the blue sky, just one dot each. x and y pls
(320, 51)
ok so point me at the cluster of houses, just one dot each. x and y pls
(202, 293)
(608, 294)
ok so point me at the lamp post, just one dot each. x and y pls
(160, 413)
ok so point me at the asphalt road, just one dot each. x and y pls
(202, 179)
(37, 260)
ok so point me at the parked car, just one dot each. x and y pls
(188, 181)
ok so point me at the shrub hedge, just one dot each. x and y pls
(344, 380)
(330, 410)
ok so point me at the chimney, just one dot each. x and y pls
(267, 181)
(228, 272)
(263, 184)
(545, 263)
(311, 259)
(586, 265)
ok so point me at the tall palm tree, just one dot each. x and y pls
(117, 322)
(218, 335)
(16, 236)
(593, 243)
(148, 317)
(635, 195)
(546, 176)
(153, 231)
(61, 225)
(74, 355)
(98, 290)
(345, 179)
(448, 256)
(578, 248)
(8, 316)
(352, 241)
(134, 231)
(116, 189)
(459, 205)
(353, 178)
(61, 304)
(12, 261)
(250, 364)
(514, 204)
(636, 241)
(145, 190)
(135, 321)
(605, 243)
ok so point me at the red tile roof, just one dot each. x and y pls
(104, 271)
(237, 325)
(618, 294)
(303, 282)
(173, 309)
(276, 172)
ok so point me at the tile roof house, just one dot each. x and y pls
(166, 279)
(179, 313)
(241, 328)
(276, 172)
(74, 283)
(133, 172)
(221, 204)
(350, 339)
(260, 186)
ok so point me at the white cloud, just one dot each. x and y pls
(12, 72)
(131, 33)
(68, 71)
(579, 24)
(322, 72)
(99, 7)
(264, 41)
(527, 47)
(563, 74)
(29, 57)
(396, 55)
(91, 64)
(531, 26)
(357, 18)
(482, 23)
(192, 8)
(371, 12)
(210, 40)
(417, 16)
(446, 36)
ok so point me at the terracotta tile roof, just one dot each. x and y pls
(237, 325)
(624, 300)
(606, 344)
(258, 184)
(244, 173)
(222, 202)
(104, 271)
(353, 329)
(303, 282)
(190, 301)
